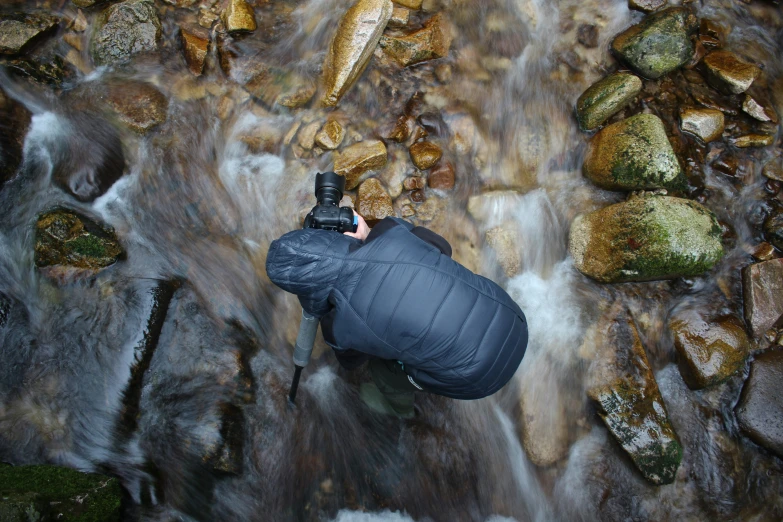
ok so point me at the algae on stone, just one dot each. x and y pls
(605, 98)
(645, 239)
(633, 154)
(124, 30)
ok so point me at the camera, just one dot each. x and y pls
(327, 214)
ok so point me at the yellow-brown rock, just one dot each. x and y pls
(195, 46)
(753, 140)
(410, 4)
(359, 158)
(330, 136)
(706, 124)
(399, 17)
(425, 154)
(239, 17)
(139, 105)
(352, 47)
(374, 203)
(428, 43)
(729, 73)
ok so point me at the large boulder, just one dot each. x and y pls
(760, 409)
(124, 30)
(351, 49)
(633, 154)
(605, 98)
(659, 44)
(646, 238)
(14, 122)
(629, 402)
(762, 286)
(19, 31)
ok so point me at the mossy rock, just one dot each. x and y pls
(68, 239)
(646, 238)
(659, 44)
(633, 154)
(605, 98)
(43, 493)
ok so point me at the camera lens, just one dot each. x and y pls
(329, 188)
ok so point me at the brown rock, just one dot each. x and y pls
(402, 129)
(428, 43)
(410, 4)
(354, 42)
(139, 105)
(763, 252)
(279, 86)
(373, 202)
(762, 286)
(359, 158)
(727, 164)
(15, 120)
(79, 22)
(760, 409)
(587, 35)
(399, 17)
(425, 154)
(646, 6)
(306, 135)
(710, 351)
(414, 183)
(195, 46)
(753, 140)
(712, 28)
(705, 124)
(774, 169)
(728, 73)
(418, 196)
(503, 242)
(330, 136)
(74, 40)
(19, 30)
(442, 176)
(239, 17)
(759, 109)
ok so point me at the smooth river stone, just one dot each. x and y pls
(728, 73)
(605, 98)
(354, 42)
(373, 202)
(359, 158)
(425, 154)
(139, 105)
(659, 44)
(760, 409)
(646, 238)
(705, 124)
(753, 140)
(762, 288)
(633, 154)
(759, 110)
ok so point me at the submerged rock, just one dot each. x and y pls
(646, 6)
(758, 109)
(195, 46)
(659, 44)
(762, 286)
(124, 30)
(441, 176)
(728, 73)
(352, 47)
(504, 242)
(67, 239)
(646, 238)
(605, 98)
(410, 4)
(773, 229)
(17, 31)
(373, 202)
(139, 105)
(428, 43)
(760, 409)
(239, 17)
(279, 86)
(330, 136)
(630, 404)
(359, 158)
(710, 351)
(633, 154)
(399, 17)
(14, 122)
(705, 124)
(753, 140)
(425, 154)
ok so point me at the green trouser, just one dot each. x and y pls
(393, 383)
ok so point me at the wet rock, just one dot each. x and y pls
(728, 73)
(402, 129)
(753, 140)
(587, 35)
(278, 86)
(712, 29)
(481, 207)
(14, 122)
(359, 158)
(44, 493)
(139, 105)
(774, 169)
(195, 46)
(18, 31)
(66, 239)
(605, 98)
(659, 44)
(180, 3)
(773, 229)
(239, 17)
(430, 42)
(503, 241)
(125, 30)
(410, 4)
(48, 69)
(763, 252)
(726, 163)
(705, 124)
(630, 404)
(330, 136)
(758, 109)
(646, 238)
(354, 42)
(399, 17)
(543, 419)
(646, 6)
(710, 351)
(633, 154)
(425, 154)
(414, 183)
(762, 286)
(433, 124)
(306, 135)
(760, 410)
(373, 202)
(418, 196)
(443, 73)
(442, 176)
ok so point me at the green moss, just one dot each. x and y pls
(88, 246)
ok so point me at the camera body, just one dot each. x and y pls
(328, 214)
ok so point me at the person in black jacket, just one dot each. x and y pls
(395, 297)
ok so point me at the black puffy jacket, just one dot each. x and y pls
(399, 297)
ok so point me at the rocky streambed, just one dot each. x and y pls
(615, 165)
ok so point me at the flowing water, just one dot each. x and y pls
(170, 369)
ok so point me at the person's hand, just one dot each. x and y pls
(361, 231)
